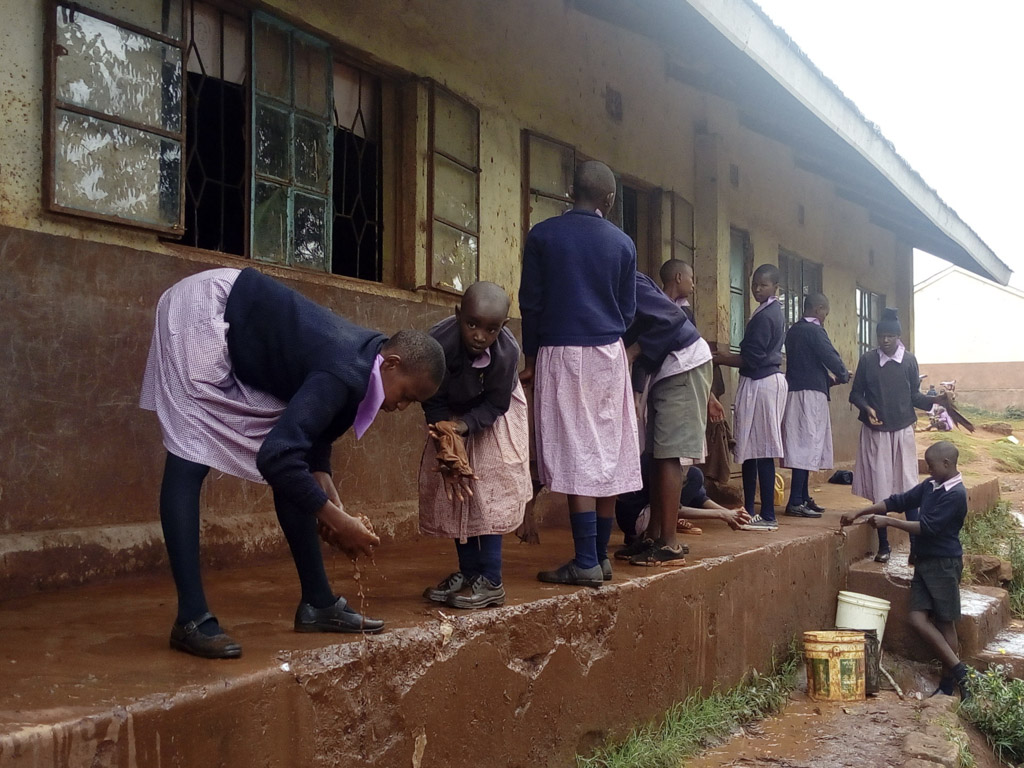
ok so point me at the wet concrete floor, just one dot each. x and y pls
(70, 654)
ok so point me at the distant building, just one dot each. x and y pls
(967, 328)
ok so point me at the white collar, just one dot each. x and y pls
(897, 356)
(950, 484)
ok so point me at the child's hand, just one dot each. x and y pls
(352, 535)
(879, 521)
(716, 412)
(456, 486)
(736, 517)
(873, 419)
(847, 519)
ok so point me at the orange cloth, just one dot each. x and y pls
(451, 451)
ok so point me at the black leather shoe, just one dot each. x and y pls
(812, 505)
(606, 569)
(446, 588)
(883, 556)
(482, 593)
(570, 573)
(800, 511)
(188, 638)
(334, 618)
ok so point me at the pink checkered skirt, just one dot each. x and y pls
(206, 415)
(807, 431)
(500, 458)
(585, 421)
(886, 463)
(757, 419)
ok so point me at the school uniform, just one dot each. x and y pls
(807, 424)
(577, 297)
(485, 393)
(761, 393)
(673, 374)
(938, 553)
(887, 453)
(255, 380)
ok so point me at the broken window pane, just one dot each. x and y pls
(160, 16)
(272, 142)
(455, 258)
(542, 208)
(551, 167)
(270, 223)
(310, 232)
(111, 70)
(110, 169)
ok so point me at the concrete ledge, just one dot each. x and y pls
(88, 679)
(1006, 649)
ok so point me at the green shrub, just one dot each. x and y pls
(997, 532)
(1014, 413)
(997, 709)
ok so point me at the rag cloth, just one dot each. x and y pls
(451, 453)
(206, 414)
(501, 484)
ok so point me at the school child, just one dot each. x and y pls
(760, 397)
(672, 370)
(255, 380)
(812, 366)
(639, 526)
(934, 590)
(577, 297)
(482, 400)
(886, 389)
(677, 282)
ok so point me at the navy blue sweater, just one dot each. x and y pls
(810, 357)
(319, 364)
(893, 390)
(577, 287)
(761, 348)
(659, 327)
(478, 396)
(942, 516)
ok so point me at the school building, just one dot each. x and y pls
(379, 156)
(986, 361)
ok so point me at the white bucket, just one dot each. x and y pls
(857, 611)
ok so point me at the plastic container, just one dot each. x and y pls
(857, 611)
(835, 665)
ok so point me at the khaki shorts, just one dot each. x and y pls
(677, 414)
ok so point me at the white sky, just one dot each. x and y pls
(943, 81)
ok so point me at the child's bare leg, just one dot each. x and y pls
(665, 492)
(938, 636)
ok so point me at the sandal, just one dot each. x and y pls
(685, 526)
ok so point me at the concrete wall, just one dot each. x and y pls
(993, 386)
(80, 465)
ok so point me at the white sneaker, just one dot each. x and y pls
(758, 523)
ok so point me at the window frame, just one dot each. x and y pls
(792, 303)
(863, 299)
(748, 266)
(529, 191)
(53, 105)
(433, 152)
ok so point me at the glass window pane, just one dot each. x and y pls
(311, 154)
(682, 222)
(551, 167)
(542, 208)
(108, 69)
(312, 68)
(455, 194)
(273, 142)
(310, 232)
(270, 223)
(160, 16)
(455, 128)
(105, 168)
(272, 67)
(455, 258)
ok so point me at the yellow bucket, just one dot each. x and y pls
(835, 665)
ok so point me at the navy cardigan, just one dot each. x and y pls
(282, 343)
(942, 516)
(761, 348)
(893, 390)
(810, 357)
(577, 287)
(660, 328)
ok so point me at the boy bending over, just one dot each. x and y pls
(935, 589)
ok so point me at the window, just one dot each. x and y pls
(550, 166)
(798, 278)
(869, 312)
(455, 191)
(216, 183)
(634, 217)
(291, 148)
(115, 123)
(741, 259)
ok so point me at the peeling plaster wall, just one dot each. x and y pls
(77, 456)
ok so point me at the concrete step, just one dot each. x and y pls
(985, 610)
(1007, 650)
